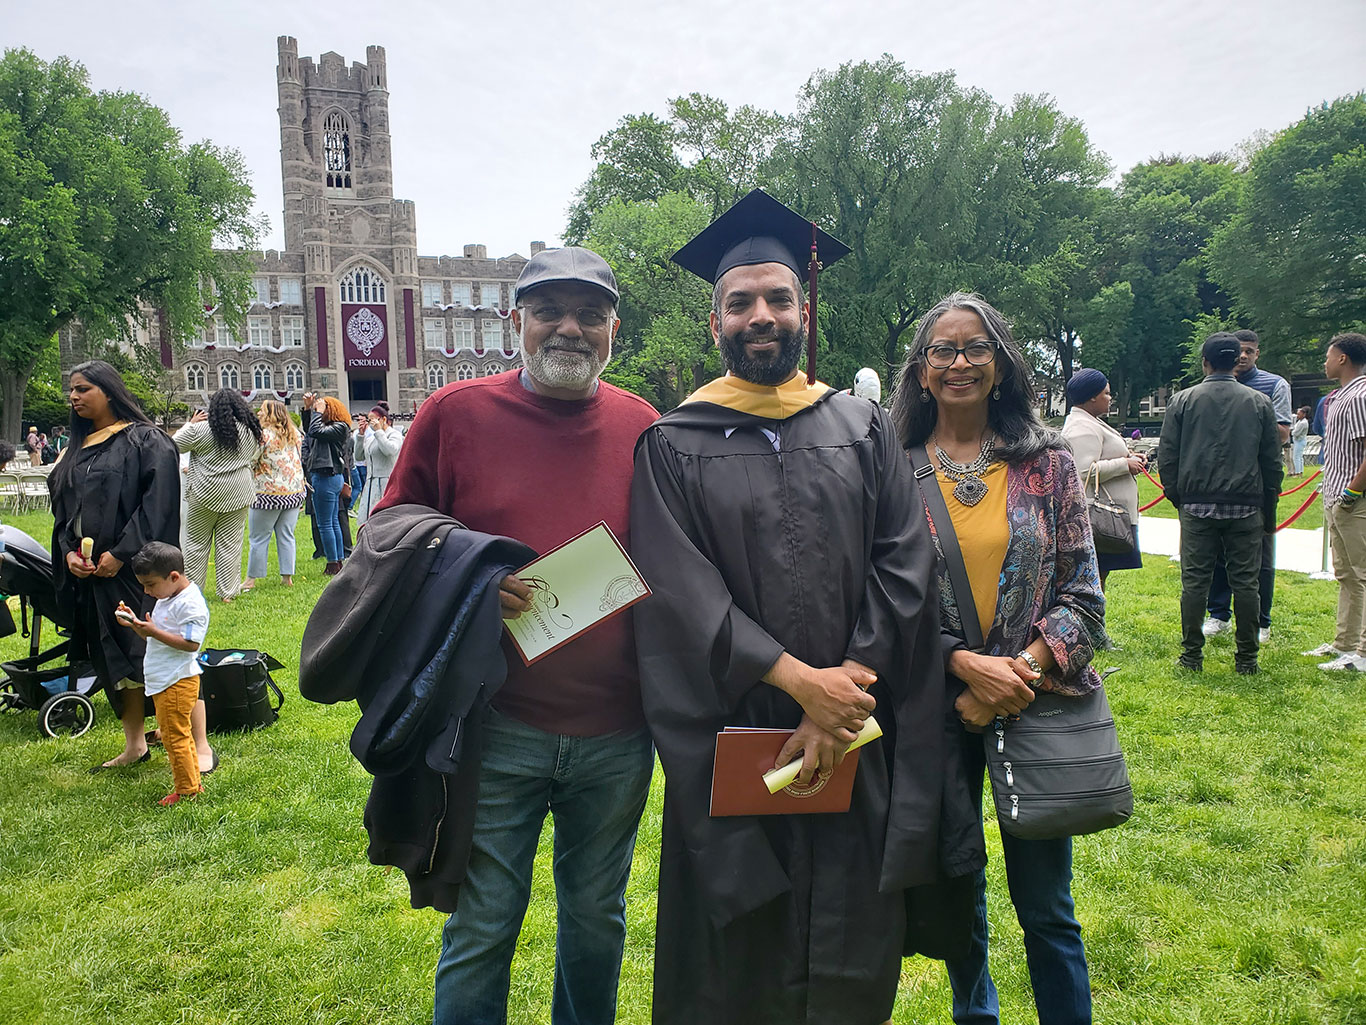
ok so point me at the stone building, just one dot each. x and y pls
(349, 308)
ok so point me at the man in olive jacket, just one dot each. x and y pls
(1220, 463)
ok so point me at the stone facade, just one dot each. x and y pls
(349, 308)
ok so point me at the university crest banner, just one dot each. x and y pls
(365, 336)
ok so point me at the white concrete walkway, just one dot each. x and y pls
(1298, 550)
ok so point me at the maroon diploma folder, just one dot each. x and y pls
(737, 783)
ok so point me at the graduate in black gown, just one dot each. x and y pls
(781, 532)
(117, 483)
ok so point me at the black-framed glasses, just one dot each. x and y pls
(551, 313)
(978, 353)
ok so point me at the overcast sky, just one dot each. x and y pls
(494, 106)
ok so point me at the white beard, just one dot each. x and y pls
(559, 368)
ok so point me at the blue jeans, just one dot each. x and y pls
(595, 787)
(357, 483)
(261, 523)
(1039, 873)
(326, 504)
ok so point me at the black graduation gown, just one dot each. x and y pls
(821, 550)
(126, 491)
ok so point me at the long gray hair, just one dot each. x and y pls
(1022, 434)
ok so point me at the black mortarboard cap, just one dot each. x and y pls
(758, 229)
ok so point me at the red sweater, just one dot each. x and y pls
(504, 460)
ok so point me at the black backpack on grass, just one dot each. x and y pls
(236, 686)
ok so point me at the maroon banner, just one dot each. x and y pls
(320, 319)
(409, 331)
(365, 336)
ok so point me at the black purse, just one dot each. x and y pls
(1111, 529)
(1057, 770)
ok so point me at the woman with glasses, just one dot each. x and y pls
(1017, 512)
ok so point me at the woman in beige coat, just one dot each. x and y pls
(1098, 447)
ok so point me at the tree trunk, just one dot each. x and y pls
(12, 387)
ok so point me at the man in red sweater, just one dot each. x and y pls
(542, 454)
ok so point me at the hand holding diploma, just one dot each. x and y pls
(796, 770)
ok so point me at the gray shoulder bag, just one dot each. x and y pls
(1058, 769)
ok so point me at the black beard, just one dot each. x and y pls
(771, 371)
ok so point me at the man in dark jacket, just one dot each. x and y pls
(1220, 462)
(567, 734)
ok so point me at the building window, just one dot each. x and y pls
(222, 333)
(196, 339)
(461, 292)
(337, 150)
(464, 371)
(362, 285)
(294, 376)
(260, 290)
(258, 332)
(436, 376)
(493, 334)
(464, 333)
(491, 369)
(489, 293)
(433, 333)
(292, 332)
(291, 292)
(261, 377)
(227, 376)
(195, 376)
(431, 293)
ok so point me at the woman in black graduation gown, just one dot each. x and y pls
(118, 483)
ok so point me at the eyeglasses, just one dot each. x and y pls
(587, 316)
(979, 353)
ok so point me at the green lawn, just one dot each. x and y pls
(1233, 896)
(1312, 519)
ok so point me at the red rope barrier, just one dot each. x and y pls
(1302, 484)
(1296, 514)
(1145, 508)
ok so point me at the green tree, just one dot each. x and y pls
(104, 210)
(1154, 237)
(664, 349)
(1293, 256)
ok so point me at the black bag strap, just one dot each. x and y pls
(278, 693)
(948, 543)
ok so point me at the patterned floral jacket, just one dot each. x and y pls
(1049, 582)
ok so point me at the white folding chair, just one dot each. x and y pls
(33, 490)
(11, 492)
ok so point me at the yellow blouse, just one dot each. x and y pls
(983, 534)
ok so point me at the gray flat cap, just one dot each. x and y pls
(570, 264)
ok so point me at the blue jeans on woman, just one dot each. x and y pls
(1039, 874)
(326, 504)
(595, 788)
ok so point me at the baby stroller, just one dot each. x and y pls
(60, 692)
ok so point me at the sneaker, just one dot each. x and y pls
(1214, 627)
(1325, 650)
(1264, 635)
(1191, 665)
(1351, 662)
(1246, 668)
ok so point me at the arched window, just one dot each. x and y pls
(294, 376)
(464, 371)
(436, 376)
(337, 150)
(362, 285)
(227, 376)
(261, 377)
(491, 369)
(195, 376)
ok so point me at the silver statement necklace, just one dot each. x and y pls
(969, 488)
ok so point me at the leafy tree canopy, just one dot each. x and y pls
(103, 209)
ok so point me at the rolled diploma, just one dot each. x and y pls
(776, 779)
(87, 548)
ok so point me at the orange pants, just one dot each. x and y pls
(174, 706)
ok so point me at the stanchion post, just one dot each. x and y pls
(1324, 573)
